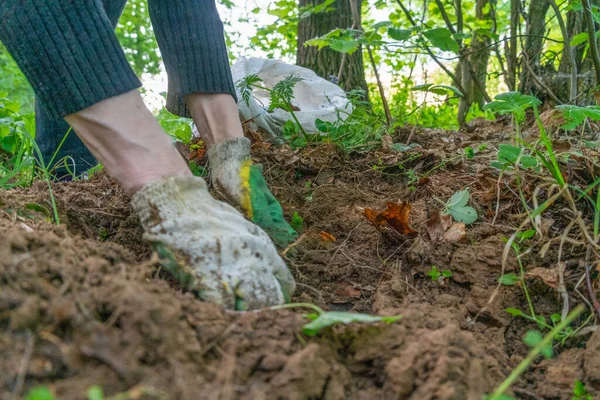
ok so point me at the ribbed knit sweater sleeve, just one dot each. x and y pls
(67, 50)
(192, 43)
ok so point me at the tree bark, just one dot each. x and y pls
(326, 62)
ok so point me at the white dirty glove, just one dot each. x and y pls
(234, 175)
(209, 247)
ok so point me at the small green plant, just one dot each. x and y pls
(510, 156)
(297, 222)
(322, 319)
(281, 95)
(40, 393)
(458, 208)
(438, 276)
(515, 104)
(580, 392)
(540, 347)
(95, 393)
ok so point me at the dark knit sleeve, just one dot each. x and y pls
(67, 50)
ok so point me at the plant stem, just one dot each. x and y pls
(386, 107)
(567, 49)
(317, 309)
(534, 353)
(589, 19)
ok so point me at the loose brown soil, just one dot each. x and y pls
(84, 303)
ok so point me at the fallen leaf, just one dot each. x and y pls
(328, 237)
(456, 234)
(347, 289)
(395, 216)
(548, 276)
(386, 143)
(437, 225)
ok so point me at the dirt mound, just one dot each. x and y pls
(85, 304)
(78, 313)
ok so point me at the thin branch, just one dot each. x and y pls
(568, 50)
(587, 14)
(541, 84)
(428, 50)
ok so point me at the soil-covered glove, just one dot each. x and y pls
(234, 175)
(209, 247)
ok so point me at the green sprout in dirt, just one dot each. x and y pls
(297, 222)
(458, 208)
(580, 392)
(541, 346)
(520, 280)
(438, 276)
(322, 319)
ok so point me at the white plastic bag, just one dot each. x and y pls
(314, 96)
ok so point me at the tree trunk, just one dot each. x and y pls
(474, 65)
(536, 24)
(326, 62)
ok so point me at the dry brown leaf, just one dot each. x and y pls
(395, 216)
(386, 143)
(328, 237)
(348, 290)
(437, 225)
(456, 234)
(548, 276)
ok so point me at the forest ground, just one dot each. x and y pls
(84, 304)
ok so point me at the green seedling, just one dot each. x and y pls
(322, 319)
(580, 392)
(437, 276)
(281, 95)
(297, 222)
(458, 208)
(95, 393)
(539, 348)
(515, 104)
(510, 156)
(40, 393)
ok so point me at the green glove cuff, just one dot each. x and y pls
(266, 210)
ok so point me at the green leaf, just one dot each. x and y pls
(442, 39)
(555, 318)
(447, 273)
(344, 46)
(469, 152)
(458, 199)
(95, 393)
(323, 126)
(466, 214)
(578, 39)
(401, 147)
(382, 24)
(39, 393)
(528, 234)
(513, 103)
(509, 280)
(575, 115)
(533, 338)
(327, 319)
(515, 312)
(438, 89)
(458, 208)
(400, 35)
